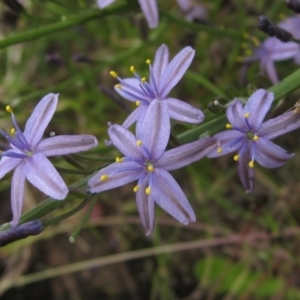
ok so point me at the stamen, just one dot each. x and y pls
(132, 69)
(137, 103)
(246, 115)
(249, 52)
(251, 164)
(119, 159)
(255, 41)
(246, 35)
(228, 126)
(148, 190)
(113, 74)
(118, 86)
(236, 157)
(255, 137)
(144, 79)
(8, 109)
(219, 149)
(150, 168)
(12, 131)
(136, 188)
(139, 142)
(148, 61)
(103, 177)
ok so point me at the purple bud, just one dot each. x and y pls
(293, 5)
(20, 232)
(268, 27)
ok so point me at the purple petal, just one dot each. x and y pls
(39, 119)
(235, 115)
(278, 50)
(137, 114)
(155, 129)
(140, 119)
(280, 125)
(267, 66)
(7, 164)
(17, 194)
(118, 174)
(186, 154)
(291, 24)
(150, 11)
(169, 196)
(270, 155)
(40, 172)
(104, 3)
(175, 70)
(145, 205)
(229, 141)
(181, 111)
(131, 90)
(126, 142)
(246, 173)
(257, 106)
(66, 144)
(160, 63)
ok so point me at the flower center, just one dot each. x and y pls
(145, 92)
(17, 140)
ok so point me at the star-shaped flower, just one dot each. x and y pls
(29, 151)
(164, 75)
(148, 7)
(250, 138)
(146, 161)
(272, 50)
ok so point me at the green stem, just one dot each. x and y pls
(65, 23)
(68, 214)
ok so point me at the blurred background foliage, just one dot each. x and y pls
(243, 246)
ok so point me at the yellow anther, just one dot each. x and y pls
(119, 159)
(137, 103)
(228, 126)
(148, 61)
(251, 164)
(118, 86)
(281, 16)
(113, 74)
(150, 168)
(132, 69)
(0, 151)
(148, 190)
(136, 188)
(144, 79)
(139, 142)
(236, 157)
(246, 115)
(255, 138)
(255, 41)
(240, 59)
(219, 149)
(8, 109)
(12, 131)
(103, 177)
(249, 52)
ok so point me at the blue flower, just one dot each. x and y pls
(146, 161)
(28, 153)
(250, 138)
(164, 75)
